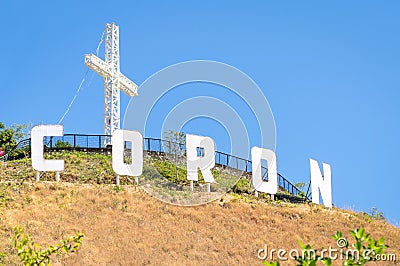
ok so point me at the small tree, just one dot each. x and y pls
(9, 136)
(301, 186)
(175, 142)
(7, 140)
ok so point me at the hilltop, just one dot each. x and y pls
(123, 225)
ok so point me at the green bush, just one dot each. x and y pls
(242, 186)
(31, 253)
(170, 171)
(63, 144)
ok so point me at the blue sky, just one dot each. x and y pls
(330, 71)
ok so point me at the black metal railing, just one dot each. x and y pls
(76, 141)
(98, 143)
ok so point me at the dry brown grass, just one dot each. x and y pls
(130, 227)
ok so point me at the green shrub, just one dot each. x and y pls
(62, 144)
(31, 253)
(242, 186)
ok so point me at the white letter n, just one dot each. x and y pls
(321, 183)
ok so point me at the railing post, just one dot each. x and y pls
(74, 141)
(99, 141)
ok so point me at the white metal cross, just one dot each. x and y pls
(114, 80)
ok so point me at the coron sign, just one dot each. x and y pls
(320, 183)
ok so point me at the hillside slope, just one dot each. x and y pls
(128, 227)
